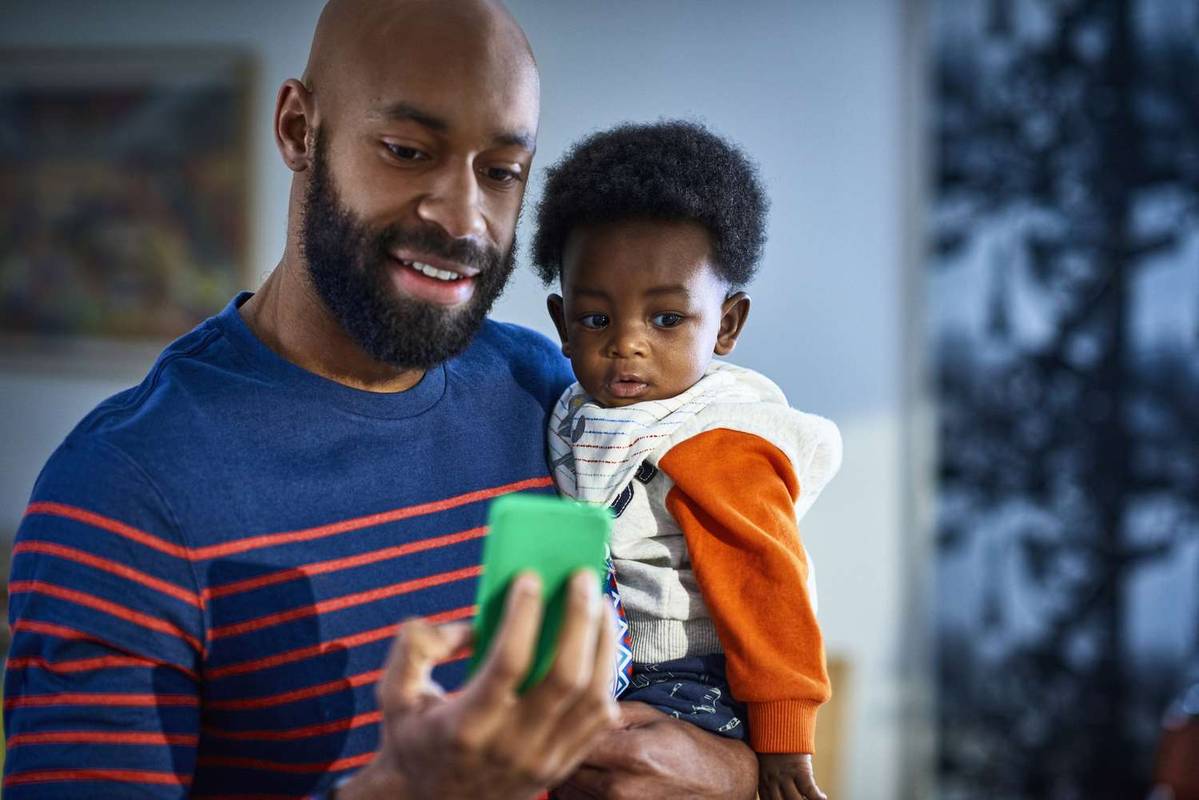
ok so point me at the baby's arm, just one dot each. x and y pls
(781, 775)
(734, 498)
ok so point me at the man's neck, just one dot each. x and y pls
(288, 317)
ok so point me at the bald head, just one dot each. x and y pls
(357, 36)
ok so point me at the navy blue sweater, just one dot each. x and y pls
(213, 564)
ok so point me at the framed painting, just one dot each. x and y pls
(123, 193)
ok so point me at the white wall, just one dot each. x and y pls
(812, 89)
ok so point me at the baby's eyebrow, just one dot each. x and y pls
(673, 289)
(655, 290)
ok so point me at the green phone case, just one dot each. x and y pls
(547, 535)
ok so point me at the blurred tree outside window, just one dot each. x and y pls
(1064, 289)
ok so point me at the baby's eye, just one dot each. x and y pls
(594, 321)
(666, 320)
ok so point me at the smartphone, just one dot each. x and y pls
(552, 537)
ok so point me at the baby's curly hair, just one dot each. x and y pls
(673, 170)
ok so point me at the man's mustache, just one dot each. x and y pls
(435, 242)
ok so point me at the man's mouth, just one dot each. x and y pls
(432, 280)
(431, 271)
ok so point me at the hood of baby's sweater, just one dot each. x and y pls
(596, 451)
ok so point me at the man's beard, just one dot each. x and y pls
(349, 265)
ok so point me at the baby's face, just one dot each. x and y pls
(642, 309)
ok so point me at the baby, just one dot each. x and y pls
(650, 230)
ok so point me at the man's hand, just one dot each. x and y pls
(654, 755)
(487, 741)
(787, 776)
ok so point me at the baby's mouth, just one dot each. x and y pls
(627, 386)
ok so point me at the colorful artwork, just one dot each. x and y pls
(123, 196)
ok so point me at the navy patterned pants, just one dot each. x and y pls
(693, 689)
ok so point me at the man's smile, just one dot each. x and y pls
(432, 279)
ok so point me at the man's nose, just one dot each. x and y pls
(452, 202)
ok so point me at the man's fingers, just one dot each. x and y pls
(571, 673)
(597, 702)
(512, 649)
(634, 714)
(562, 715)
(587, 783)
(620, 749)
(416, 649)
(596, 708)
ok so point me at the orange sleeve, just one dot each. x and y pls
(734, 498)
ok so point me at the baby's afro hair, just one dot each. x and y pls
(673, 170)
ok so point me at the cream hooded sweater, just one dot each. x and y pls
(708, 487)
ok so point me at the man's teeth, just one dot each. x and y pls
(433, 272)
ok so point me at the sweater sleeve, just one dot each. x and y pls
(734, 497)
(101, 696)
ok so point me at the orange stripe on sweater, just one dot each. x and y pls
(308, 534)
(100, 699)
(274, 539)
(117, 775)
(347, 601)
(351, 762)
(102, 737)
(308, 692)
(332, 645)
(334, 565)
(63, 632)
(107, 524)
(53, 629)
(81, 664)
(108, 607)
(334, 726)
(120, 570)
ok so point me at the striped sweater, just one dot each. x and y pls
(213, 564)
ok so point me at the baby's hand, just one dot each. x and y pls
(781, 775)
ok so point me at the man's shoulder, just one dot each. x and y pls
(184, 379)
(532, 360)
(517, 342)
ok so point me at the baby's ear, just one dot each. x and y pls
(733, 313)
(557, 310)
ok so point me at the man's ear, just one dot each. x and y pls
(295, 124)
(733, 313)
(558, 314)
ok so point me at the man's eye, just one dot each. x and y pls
(594, 321)
(501, 175)
(666, 320)
(404, 153)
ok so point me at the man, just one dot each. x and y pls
(207, 580)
